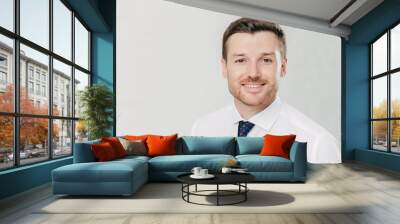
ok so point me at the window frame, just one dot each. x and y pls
(388, 74)
(16, 114)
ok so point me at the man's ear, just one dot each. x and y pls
(284, 67)
(224, 68)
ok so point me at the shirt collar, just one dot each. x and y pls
(264, 119)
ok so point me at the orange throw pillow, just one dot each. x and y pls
(103, 152)
(116, 145)
(135, 138)
(161, 145)
(275, 145)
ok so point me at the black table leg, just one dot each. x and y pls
(245, 193)
(217, 194)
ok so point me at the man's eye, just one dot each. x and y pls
(239, 60)
(267, 60)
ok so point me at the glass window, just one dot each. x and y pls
(34, 21)
(34, 80)
(395, 136)
(30, 72)
(62, 28)
(81, 82)
(6, 142)
(33, 140)
(379, 98)
(3, 60)
(379, 135)
(379, 55)
(395, 47)
(40, 62)
(30, 87)
(62, 137)
(385, 125)
(6, 73)
(81, 45)
(81, 131)
(62, 75)
(395, 95)
(7, 14)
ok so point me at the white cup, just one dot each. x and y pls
(203, 172)
(196, 171)
(226, 170)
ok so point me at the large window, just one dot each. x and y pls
(44, 64)
(385, 91)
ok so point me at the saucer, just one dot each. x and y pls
(208, 176)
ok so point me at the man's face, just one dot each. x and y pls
(253, 67)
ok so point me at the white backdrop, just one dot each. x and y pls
(168, 71)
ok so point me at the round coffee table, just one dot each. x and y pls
(238, 179)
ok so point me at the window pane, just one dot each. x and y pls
(62, 138)
(62, 89)
(379, 135)
(379, 55)
(35, 21)
(81, 45)
(6, 74)
(81, 131)
(6, 142)
(395, 94)
(62, 29)
(379, 98)
(395, 136)
(7, 14)
(81, 81)
(33, 139)
(34, 97)
(395, 47)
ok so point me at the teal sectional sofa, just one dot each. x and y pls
(125, 176)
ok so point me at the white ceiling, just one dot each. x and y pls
(315, 15)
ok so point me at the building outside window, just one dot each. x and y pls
(34, 75)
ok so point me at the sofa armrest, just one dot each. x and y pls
(298, 155)
(83, 152)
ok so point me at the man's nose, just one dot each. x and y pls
(252, 70)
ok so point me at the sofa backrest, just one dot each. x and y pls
(83, 152)
(192, 145)
(249, 145)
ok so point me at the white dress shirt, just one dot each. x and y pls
(279, 118)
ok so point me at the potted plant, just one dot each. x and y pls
(96, 102)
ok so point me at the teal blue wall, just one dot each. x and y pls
(99, 15)
(103, 62)
(356, 85)
(24, 178)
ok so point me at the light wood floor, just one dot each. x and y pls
(378, 188)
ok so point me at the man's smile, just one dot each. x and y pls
(253, 87)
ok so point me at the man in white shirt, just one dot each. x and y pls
(253, 62)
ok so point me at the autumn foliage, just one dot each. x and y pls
(380, 127)
(33, 131)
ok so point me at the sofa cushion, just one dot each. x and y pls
(257, 163)
(111, 171)
(161, 145)
(249, 145)
(134, 147)
(277, 145)
(116, 145)
(103, 152)
(195, 145)
(185, 163)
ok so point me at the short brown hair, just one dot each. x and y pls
(247, 25)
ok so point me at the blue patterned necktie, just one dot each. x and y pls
(244, 128)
